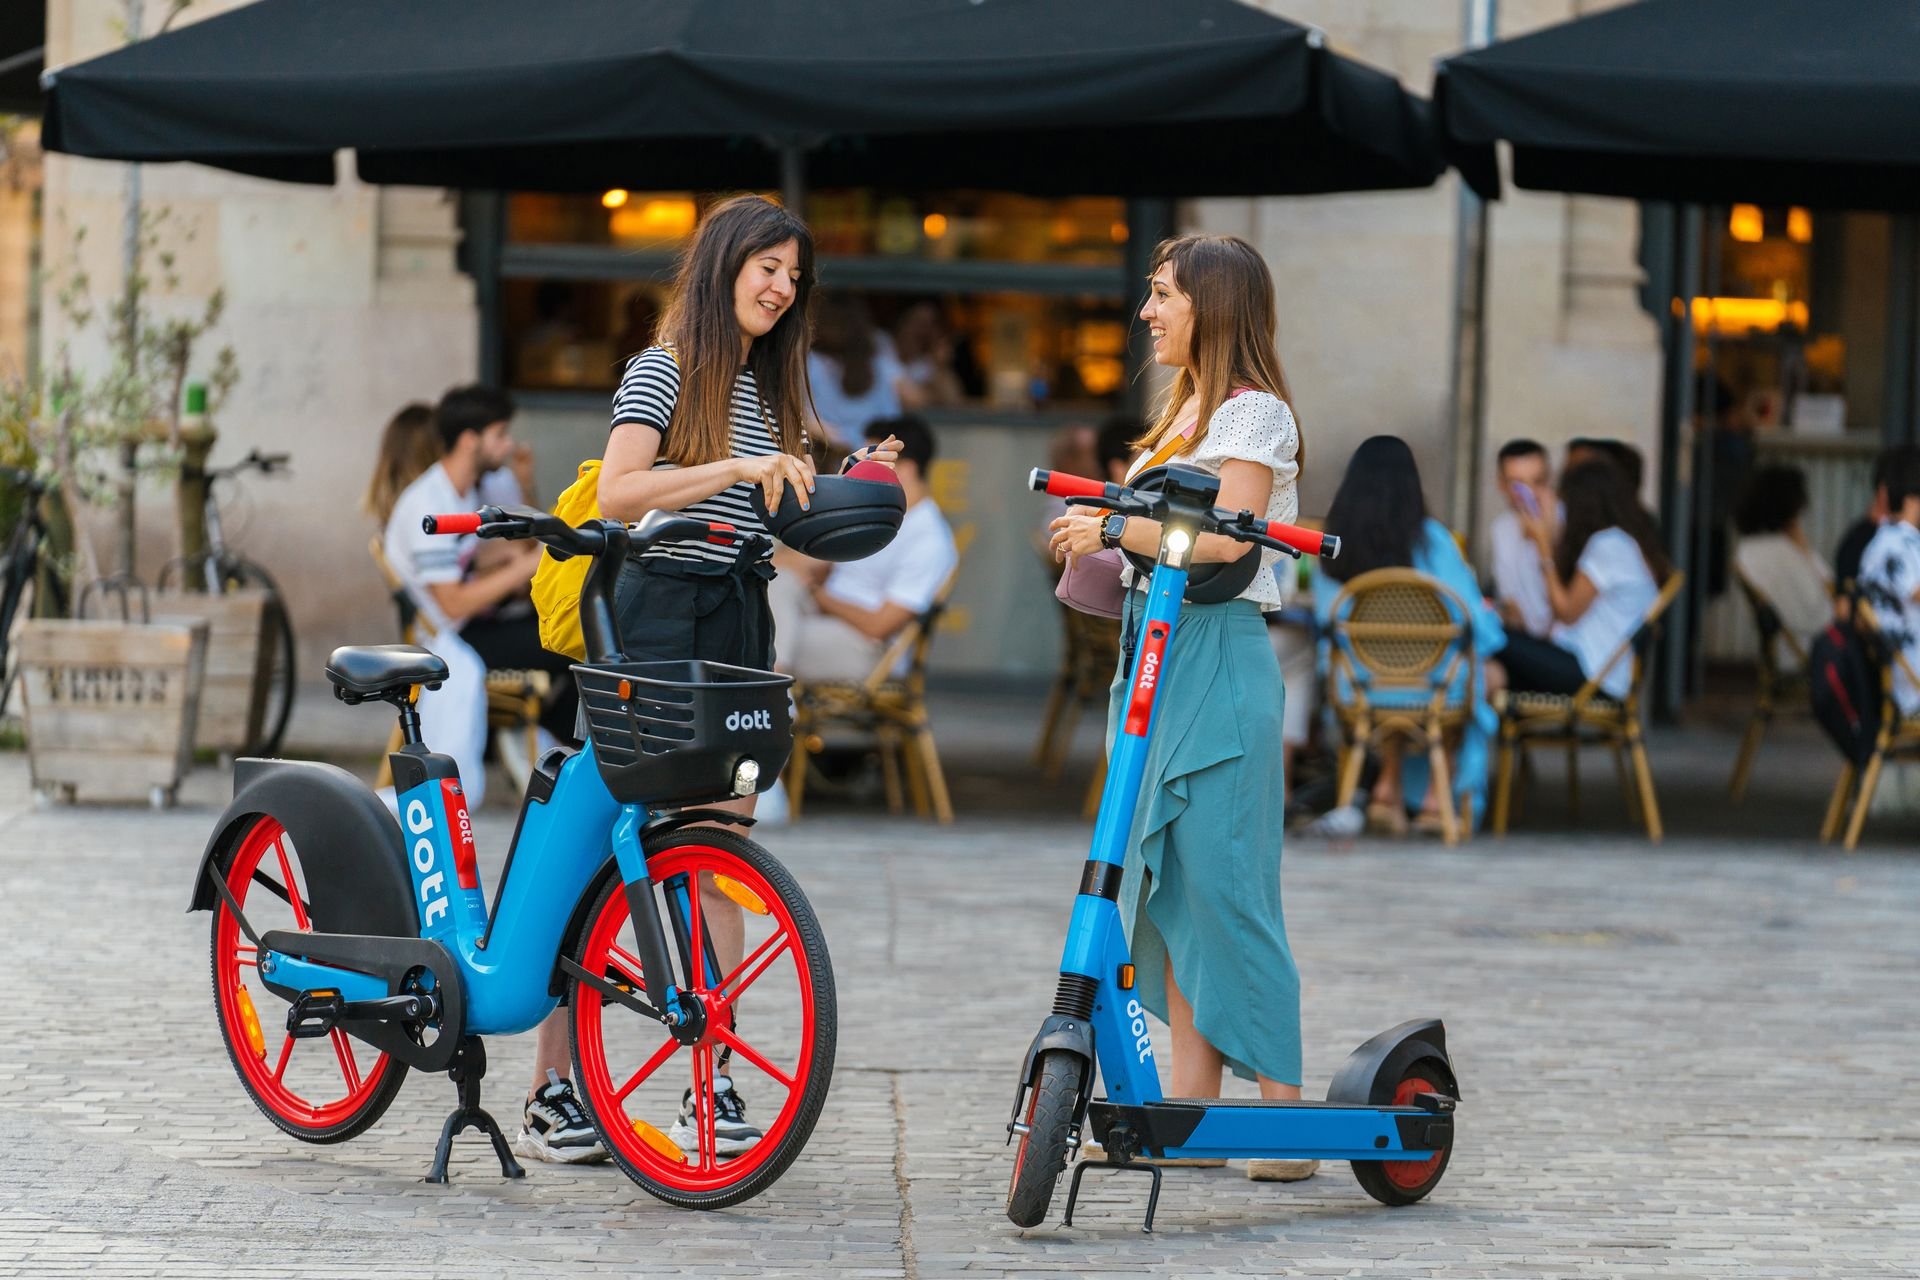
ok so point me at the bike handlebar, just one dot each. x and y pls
(589, 539)
(1242, 526)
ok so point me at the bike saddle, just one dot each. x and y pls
(1207, 583)
(363, 672)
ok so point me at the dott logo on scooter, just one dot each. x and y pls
(739, 720)
(1142, 1042)
(433, 888)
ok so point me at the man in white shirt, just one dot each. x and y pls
(1890, 575)
(1519, 582)
(834, 621)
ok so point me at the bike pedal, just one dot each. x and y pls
(314, 1014)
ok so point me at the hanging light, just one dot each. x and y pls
(1799, 225)
(614, 198)
(1747, 224)
(935, 225)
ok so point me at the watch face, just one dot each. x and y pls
(1113, 528)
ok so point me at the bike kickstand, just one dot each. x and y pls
(1080, 1169)
(469, 1065)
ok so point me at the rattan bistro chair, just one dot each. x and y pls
(1587, 715)
(1899, 736)
(514, 696)
(1776, 681)
(1397, 641)
(892, 709)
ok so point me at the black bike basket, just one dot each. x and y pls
(677, 733)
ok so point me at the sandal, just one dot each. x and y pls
(1385, 819)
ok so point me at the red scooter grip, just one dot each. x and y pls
(1305, 541)
(1061, 485)
(460, 522)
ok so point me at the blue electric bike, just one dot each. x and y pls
(684, 950)
(1389, 1109)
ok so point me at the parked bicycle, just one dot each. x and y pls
(20, 576)
(381, 949)
(218, 570)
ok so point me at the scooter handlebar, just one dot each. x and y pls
(1306, 541)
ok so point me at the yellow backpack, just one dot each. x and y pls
(556, 583)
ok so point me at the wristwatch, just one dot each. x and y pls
(1112, 529)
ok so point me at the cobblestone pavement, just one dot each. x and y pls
(1696, 1060)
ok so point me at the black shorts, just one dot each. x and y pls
(675, 611)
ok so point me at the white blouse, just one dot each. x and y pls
(1251, 427)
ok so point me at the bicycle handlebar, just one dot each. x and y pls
(589, 539)
(1242, 526)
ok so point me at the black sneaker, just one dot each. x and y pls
(732, 1135)
(555, 1127)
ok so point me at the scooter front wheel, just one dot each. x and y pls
(1402, 1182)
(329, 1089)
(1042, 1155)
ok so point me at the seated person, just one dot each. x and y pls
(409, 445)
(1890, 574)
(1383, 512)
(458, 598)
(1773, 555)
(1853, 543)
(1519, 583)
(1624, 457)
(833, 621)
(1604, 567)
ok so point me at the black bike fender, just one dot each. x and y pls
(1369, 1073)
(350, 845)
(1059, 1031)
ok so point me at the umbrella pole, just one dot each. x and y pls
(1676, 415)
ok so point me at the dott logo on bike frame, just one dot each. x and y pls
(1142, 1042)
(739, 720)
(1153, 656)
(433, 887)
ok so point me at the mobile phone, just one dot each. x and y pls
(1523, 494)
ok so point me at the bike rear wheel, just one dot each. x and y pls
(327, 1089)
(277, 636)
(642, 1086)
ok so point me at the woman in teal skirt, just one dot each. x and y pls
(1201, 891)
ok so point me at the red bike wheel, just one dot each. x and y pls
(773, 1014)
(326, 1089)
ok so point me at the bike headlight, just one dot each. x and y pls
(746, 777)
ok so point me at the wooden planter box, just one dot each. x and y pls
(233, 696)
(110, 706)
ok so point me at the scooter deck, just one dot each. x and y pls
(1258, 1128)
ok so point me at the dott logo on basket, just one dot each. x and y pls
(433, 883)
(742, 720)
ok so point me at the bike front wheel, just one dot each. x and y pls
(768, 1024)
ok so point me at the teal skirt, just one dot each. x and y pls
(1202, 877)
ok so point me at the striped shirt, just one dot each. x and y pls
(647, 394)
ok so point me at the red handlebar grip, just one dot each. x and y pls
(459, 522)
(1061, 485)
(722, 533)
(1306, 541)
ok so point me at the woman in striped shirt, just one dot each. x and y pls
(699, 421)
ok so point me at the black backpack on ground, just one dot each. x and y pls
(1843, 675)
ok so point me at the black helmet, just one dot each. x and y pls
(1211, 582)
(847, 518)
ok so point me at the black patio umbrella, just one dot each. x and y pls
(1710, 101)
(1125, 97)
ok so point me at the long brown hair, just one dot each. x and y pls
(1596, 497)
(1233, 341)
(408, 447)
(701, 328)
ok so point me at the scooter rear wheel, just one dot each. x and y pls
(1042, 1155)
(327, 1090)
(1403, 1182)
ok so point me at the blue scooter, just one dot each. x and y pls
(1389, 1110)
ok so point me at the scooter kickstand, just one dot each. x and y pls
(1073, 1188)
(469, 1065)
